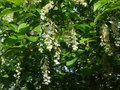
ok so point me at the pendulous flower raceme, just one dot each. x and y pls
(49, 35)
(18, 71)
(105, 41)
(51, 40)
(74, 40)
(46, 9)
(40, 45)
(45, 71)
(117, 41)
(71, 39)
(56, 57)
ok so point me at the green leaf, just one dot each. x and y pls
(20, 37)
(91, 1)
(100, 4)
(87, 48)
(118, 59)
(82, 41)
(9, 11)
(92, 24)
(17, 2)
(115, 6)
(80, 51)
(13, 27)
(38, 29)
(32, 38)
(55, 8)
(106, 11)
(101, 15)
(22, 28)
(25, 16)
(11, 40)
(1, 47)
(82, 27)
(71, 62)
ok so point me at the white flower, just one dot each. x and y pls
(48, 77)
(43, 17)
(18, 64)
(74, 47)
(18, 73)
(15, 75)
(18, 77)
(45, 74)
(38, 44)
(9, 17)
(49, 47)
(17, 70)
(84, 4)
(46, 9)
(56, 43)
(56, 62)
(46, 83)
(41, 44)
(41, 50)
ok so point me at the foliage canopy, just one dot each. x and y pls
(59, 45)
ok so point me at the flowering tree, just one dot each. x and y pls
(59, 44)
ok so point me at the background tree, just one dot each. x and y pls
(59, 44)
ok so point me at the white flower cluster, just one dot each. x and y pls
(9, 17)
(105, 40)
(2, 60)
(45, 71)
(57, 56)
(51, 40)
(108, 50)
(81, 2)
(117, 42)
(67, 39)
(74, 40)
(40, 47)
(18, 72)
(46, 9)
(71, 39)
(49, 34)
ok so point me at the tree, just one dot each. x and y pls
(59, 44)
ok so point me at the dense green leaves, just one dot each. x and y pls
(9, 11)
(24, 16)
(22, 28)
(59, 45)
(100, 4)
(11, 40)
(17, 2)
(13, 27)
